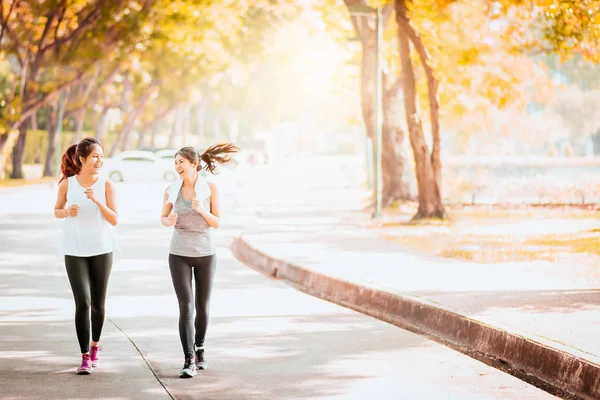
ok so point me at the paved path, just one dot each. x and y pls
(266, 340)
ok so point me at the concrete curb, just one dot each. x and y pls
(254, 258)
(542, 363)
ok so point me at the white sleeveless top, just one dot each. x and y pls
(89, 233)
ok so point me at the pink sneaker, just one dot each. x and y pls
(94, 350)
(86, 365)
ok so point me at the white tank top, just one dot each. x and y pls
(89, 233)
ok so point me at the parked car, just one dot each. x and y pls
(167, 155)
(139, 165)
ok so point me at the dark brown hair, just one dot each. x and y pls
(215, 154)
(71, 165)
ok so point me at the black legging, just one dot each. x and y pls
(181, 274)
(89, 279)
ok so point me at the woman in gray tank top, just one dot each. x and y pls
(191, 206)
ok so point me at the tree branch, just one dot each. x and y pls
(82, 25)
(24, 70)
(18, 44)
(63, 10)
(165, 111)
(32, 107)
(387, 12)
(3, 18)
(133, 116)
(39, 54)
(91, 84)
(105, 81)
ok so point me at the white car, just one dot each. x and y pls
(139, 165)
(167, 155)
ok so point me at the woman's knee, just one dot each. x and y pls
(202, 311)
(186, 309)
(82, 303)
(98, 309)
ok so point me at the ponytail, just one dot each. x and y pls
(70, 164)
(217, 154)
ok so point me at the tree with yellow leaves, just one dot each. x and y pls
(550, 26)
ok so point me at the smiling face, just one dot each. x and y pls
(184, 167)
(94, 160)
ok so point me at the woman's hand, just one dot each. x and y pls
(212, 215)
(198, 206)
(171, 220)
(73, 211)
(90, 194)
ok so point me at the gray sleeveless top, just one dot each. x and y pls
(192, 236)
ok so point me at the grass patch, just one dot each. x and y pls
(417, 222)
(26, 182)
(457, 253)
(492, 235)
(575, 244)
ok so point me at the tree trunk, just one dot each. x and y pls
(34, 123)
(86, 90)
(153, 135)
(430, 198)
(234, 129)
(140, 142)
(174, 128)
(7, 143)
(595, 142)
(394, 186)
(101, 124)
(125, 110)
(79, 116)
(186, 115)
(3, 140)
(123, 136)
(22, 125)
(38, 151)
(216, 120)
(3, 155)
(152, 127)
(201, 122)
(51, 153)
(19, 151)
(432, 92)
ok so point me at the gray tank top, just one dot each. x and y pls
(192, 236)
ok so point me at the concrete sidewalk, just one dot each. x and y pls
(537, 320)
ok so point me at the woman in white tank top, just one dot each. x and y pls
(87, 203)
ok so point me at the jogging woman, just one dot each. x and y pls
(87, 202)
(191, 205)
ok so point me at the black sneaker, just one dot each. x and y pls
(188, 370)
(200, 363)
